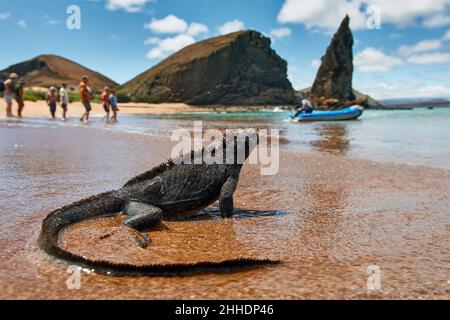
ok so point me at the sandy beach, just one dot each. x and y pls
(326, 223)
(40, 108)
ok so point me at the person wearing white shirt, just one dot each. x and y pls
(64, 98)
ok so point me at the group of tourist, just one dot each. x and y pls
(13, 88)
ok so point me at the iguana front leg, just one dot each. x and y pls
(141, 216)
(226, 195)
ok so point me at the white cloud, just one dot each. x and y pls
(406, 12)
(4, 15)
(196, 29)
(22, 24)
(280, 33)
(438, 20)
(432, 90)
(173, 24)
(169, 45)
(152, 40)
(324, 14)
(185, 35)
(430, 58)
(327, 14)
(51, 21)
(374, 60)
(170, 24)
(385, 86)
(424, 45)
(231, 26)
(54, 22)
(316, 63)
(127, 5)
(406, 89)
(446, 36)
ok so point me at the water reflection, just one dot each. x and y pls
(334, 138)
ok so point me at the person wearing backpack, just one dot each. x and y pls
(113, 104)
(9, 86)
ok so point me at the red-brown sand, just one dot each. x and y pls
(326, 222)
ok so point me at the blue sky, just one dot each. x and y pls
(409, 56)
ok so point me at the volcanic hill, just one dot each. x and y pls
(235, 69)
(52, 70)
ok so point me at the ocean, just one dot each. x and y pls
(414, 137)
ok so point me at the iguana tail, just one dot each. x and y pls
(107, 204)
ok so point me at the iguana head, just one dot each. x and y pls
(239, 143)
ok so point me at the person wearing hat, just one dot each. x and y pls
(10, 86)
(305, 107)
(52, 99)
(85, 95)
(18, 92)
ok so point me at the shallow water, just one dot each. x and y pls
(416, 137)
(328, 214)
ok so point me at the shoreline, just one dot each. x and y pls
(40, 108)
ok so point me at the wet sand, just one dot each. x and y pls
(326, 216)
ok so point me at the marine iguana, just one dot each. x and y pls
(167, 190)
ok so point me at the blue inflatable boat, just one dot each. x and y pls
(349, 113)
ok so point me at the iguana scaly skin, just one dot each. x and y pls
(165, 191)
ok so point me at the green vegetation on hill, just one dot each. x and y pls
(34, 95)
(122, 97)
(31, 95)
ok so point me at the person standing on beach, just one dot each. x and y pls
(10, 86)
(18, 92)
(64, 98)
(52, 99)
(113, 104)
(106, 103)
(85, 95)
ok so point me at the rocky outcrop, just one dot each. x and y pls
(236, 69)
(334, 78)
(333, 87)
(51, 70)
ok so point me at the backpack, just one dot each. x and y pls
(2, 86)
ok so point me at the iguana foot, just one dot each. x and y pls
(226, 207)
(142, 240)
(141, 216)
